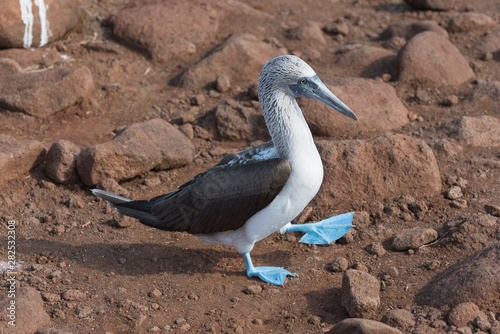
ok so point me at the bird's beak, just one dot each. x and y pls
(314, 88)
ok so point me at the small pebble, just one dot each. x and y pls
(454, 193)
(376, 248)
(155, 293)
(314, 320)
(180, 321)
(253, 289)
(393, 272)
(154, 329)
(257, 322)
(222, 83)
(482, 324)
(83, 312)
(459, 204)
(432, 265)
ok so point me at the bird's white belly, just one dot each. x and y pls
(301, 187)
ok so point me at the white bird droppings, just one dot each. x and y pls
(27, 17)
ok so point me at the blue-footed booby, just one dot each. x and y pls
(253, 193)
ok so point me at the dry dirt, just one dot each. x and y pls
(136, 278)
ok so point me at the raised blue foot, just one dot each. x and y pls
(325, 231)
(272, 275)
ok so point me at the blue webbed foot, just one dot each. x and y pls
(325, 231)
(272, 275)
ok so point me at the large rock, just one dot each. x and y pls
(309, 32)
(470, 22)
(475, 279)
(413, 238)
(481, 131)
(29, 312)
(138, 148)
(464, 314)
(32, 23)
(432, 58)
(60, 164)
(489, 42)
(362, 326)
(360, 294)
(18, 157)
(471, 232)
(240, 48)
(41, 94)
(375, 103)
(369, 62)
(167, 31)
(384, 167)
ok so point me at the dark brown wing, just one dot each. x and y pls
(221, 199)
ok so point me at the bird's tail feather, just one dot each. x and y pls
(136, 209)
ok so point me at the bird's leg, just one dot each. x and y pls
(272, 275)
(325, 231)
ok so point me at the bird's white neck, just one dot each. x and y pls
(289, 131)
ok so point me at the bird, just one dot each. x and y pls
(253, 193)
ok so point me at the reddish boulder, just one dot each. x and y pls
(18, 157)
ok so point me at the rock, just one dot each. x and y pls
(28, 310)
(486, 90)
(464, 314)
(339, 265)
(9, 66)
(60, 163)
(445, 148)
(369, 62)
(44, 57)
(489, 42)
(362, 326)
(253, 289)
(241, 48)
(73, 295)
(222, 83)
(18, 157)
(470, 22)
(431, 4)
(375, 103)
(483, 131)
(309, 32)
(471, 232)
(384, 167)
(236, 122)
(431, 57)
(83, 312)
(407, 29)
(376, 248)
(493, 210)
(34, 24)
(167, 31)
(140, 147)
(474, 279)
(454, 192)
(360, 293)
(43, 93)
(414, 238)
(111, 186)
(482, 323)
(399, 318)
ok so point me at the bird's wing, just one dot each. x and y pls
(221, 199)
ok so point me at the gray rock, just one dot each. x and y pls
(375, 103)
(41, 94)
(222, 83)
(29, 312)
(360, 293)
(384, 167)
(475, 279)
(454, 192)
(489, 42)
(469, 22)
(60, 163)
(362, 326)
(369, 62)
(140, 147)
(414, 238)
(18, 157)
(228, 57)
(433, 58)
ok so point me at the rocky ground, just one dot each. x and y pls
(136, 97)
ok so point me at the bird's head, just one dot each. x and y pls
(293, 76)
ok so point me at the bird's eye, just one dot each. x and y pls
(303, 81)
